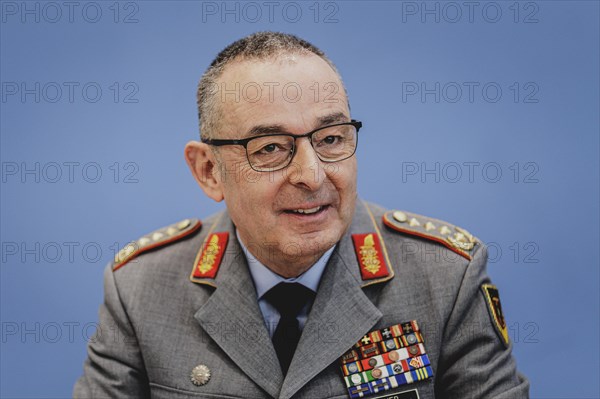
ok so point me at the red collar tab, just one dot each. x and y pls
(209, 260)
(370, 256)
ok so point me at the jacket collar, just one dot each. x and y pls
(340, 315)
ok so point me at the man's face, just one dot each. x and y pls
(297, 94)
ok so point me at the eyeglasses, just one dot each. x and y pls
(271, 152)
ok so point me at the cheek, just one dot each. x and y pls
(343, 177)
(251, 192)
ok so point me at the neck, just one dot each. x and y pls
(283, 264)
(288, 270)
(289, 266)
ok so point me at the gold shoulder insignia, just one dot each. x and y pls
(157, 238)
(453, 237)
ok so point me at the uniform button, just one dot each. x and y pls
(400, 216)
(200, 375)
(183, 224)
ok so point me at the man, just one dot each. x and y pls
(298, 289)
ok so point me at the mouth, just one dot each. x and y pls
(307, 211)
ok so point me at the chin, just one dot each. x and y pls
(320, 241)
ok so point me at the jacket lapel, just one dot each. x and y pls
(341, 313)
(232, 318)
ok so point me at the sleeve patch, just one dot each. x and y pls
(492, 299)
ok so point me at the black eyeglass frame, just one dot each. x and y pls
(244, 142)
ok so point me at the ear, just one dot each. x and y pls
(203, 165)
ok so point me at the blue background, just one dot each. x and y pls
(540, 216)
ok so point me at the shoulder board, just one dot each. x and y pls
(453, 237)
(158, 238)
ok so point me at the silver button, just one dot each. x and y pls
(200, 375)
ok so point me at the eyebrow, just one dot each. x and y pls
(331, 119)
(266, 129)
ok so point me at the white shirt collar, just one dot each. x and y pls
(265, 279)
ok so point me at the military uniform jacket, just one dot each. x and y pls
(162, 316)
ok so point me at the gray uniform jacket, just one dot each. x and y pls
(158, 321)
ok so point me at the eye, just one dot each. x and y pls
(269, 148)
(330, 139)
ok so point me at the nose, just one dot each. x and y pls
(305, 168)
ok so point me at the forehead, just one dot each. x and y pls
(296, 91)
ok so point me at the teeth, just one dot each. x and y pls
(307, 211)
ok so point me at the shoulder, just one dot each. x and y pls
(410, 225)
(156, 240)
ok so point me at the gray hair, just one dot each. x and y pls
(257, 46)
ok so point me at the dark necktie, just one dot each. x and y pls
(288, 299)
